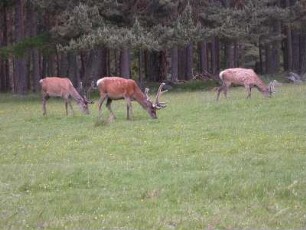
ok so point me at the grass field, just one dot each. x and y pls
(232, 164)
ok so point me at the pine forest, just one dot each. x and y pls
(147, 40)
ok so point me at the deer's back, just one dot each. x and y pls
(240, 76)
(56, 86)
(116, 87)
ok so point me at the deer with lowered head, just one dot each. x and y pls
(62, 87)
(245, 77)
(116, 88)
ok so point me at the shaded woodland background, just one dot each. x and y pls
(147, 40)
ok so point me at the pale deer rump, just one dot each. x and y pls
(62, 87)
(115, 88)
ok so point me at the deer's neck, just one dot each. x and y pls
(75, 95)
(262, 87)
(141, 99)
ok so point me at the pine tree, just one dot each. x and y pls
(250, 24)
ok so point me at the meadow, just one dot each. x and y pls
(233, 164)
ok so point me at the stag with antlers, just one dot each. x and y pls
(116, 88)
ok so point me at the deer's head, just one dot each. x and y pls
(83, 103)
(152, 107)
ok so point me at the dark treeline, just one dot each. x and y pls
(149, 40)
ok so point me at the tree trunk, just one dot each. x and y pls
(49, 66)
(203, 56)
(4, 64)
(295, 51)
(275, 61)
(259, 65)
(63, 64)
(73, 72)
(88, 63)
(182, 63)
(32, 22)
(215, 55)
(156, 66)
(140, 65)
(174, 64)
(114, 62)
(237, 52)
(276, 45)
(36, 69)
(152, 66)
(268, 59)
(99, 67)
(288, 46)
(20, 62)
(229, 55)
(302, 69)
(163, 66)
(104, 71)
(189, 62)
(125, 63)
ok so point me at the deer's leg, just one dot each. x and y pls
(70, 105)
(66, 107)
(68, 102)
(219, 91)
(128, 107)
(100, 103)
(224, 88)
(248, 89)
(109, 107)
(225, 91)
(44, 101)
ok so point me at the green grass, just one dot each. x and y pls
(232, 164)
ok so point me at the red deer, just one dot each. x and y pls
(116, 88)
(246, 77)
(61, 87)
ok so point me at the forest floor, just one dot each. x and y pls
(233, 164)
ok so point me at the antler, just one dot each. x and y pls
(87, 100)
(147, 94)
(272, 86)
(158, 104)
(86, 93)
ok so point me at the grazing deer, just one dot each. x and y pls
(61, 87)
(246, 77)
(116, 88)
